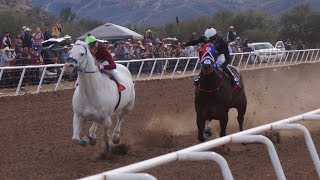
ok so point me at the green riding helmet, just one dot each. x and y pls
(91, 40)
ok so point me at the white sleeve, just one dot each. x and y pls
(4, 41)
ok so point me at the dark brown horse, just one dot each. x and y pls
(214, 96)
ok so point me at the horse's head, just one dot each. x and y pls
(209, 67)
(80, 57)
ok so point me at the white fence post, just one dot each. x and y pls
(185, 68)
(140, 69)
(308, 139)
(1, 73)
(195, 67)
(315, 59)
(175, 68)
(164, 68)
(271, 149)
(60, 77)
(41, 80)
(153, 66)
(203, 156)
(20, 82)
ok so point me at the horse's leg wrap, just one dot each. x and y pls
(108, 149)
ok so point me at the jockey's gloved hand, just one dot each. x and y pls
(202, 39)
(101, 67)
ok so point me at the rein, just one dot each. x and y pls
(86, 58)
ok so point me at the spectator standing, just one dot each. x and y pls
(300, 45)
(47, 35)
(191, 49)
(245, 47)
(119, 51)
(288, 45)
(6, 41)
(27, 40)
(231, 36)
(6, 58)
(127, 50)
(59, 29)
(148, 37)
(65, 55)
(23, 31)
(37, 39)
(55, 31)
(18, 43)
(183, 51)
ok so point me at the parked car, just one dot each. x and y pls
(264, 51)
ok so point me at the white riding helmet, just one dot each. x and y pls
(210, 32)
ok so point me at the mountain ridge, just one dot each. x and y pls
(157, 12)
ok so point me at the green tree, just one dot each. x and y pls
(67, 15)
(301, 23)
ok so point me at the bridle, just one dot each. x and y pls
(72, 59)
(212, 72)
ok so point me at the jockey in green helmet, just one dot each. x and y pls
(104, 58)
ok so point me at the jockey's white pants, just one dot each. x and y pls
(115, 74)
(220, 60)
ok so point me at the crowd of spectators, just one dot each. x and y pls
(152, 47)
(24, 49)
(27, 49)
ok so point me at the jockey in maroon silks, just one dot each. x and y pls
(217, 48)
(103, 56)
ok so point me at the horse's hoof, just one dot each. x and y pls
(116, 141)
(205, 136)
(92, 141)
(83, 142)
(208, 133)
(202, 139)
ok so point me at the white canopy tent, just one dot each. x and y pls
(112, 32)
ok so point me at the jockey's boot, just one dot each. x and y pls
(234, 81)
(121, 87)
(115, 76)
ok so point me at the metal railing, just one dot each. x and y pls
(157, 68)
(198, 152)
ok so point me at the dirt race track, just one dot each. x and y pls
(36, 130)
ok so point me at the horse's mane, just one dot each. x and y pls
(82, 43)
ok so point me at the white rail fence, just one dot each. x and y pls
(199, 152)
(158, 68)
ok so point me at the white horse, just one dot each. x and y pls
(96, 98)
